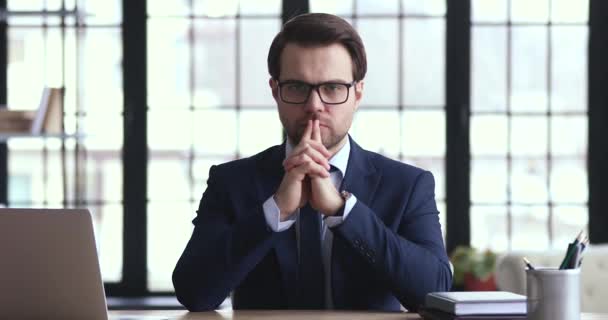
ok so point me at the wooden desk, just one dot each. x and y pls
(290, 315)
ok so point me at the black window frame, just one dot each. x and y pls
(457, 86)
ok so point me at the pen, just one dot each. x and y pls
(576, 255)
(572, 249)
(528, 264)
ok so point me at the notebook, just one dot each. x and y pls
(49, 267)
(477, 302)
(433, 314)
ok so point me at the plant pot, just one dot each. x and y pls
(473, 284)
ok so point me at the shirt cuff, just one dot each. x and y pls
(272, 213)
(332, 221)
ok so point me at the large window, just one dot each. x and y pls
(528, 123)
(209, 103)
(75, 45)
(402, 114)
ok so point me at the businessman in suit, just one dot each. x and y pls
(317, 222)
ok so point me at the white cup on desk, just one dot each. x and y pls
(553, 294)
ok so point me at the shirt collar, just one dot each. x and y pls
(339, 160)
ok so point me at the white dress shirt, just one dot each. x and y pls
(272, 214)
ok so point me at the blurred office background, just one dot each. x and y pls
(495, 97)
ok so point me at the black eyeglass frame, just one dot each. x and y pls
(316, 88)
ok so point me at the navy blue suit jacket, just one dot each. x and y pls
(389, 251)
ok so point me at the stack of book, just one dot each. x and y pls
(474, 305)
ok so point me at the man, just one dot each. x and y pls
(316, 222)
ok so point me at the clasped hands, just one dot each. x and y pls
(307, 177)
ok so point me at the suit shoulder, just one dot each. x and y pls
(248, 163)
(395, 169)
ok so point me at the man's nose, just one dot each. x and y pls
(314, 103)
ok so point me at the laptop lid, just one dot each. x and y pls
(48, 265)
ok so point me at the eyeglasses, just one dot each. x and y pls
(298, 92)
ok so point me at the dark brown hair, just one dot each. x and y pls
(318, 29)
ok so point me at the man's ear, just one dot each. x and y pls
(274, 86)
(359, 92)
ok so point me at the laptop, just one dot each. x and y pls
(48, 265)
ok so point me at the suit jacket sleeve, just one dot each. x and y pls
(409, 257)
(222, 249)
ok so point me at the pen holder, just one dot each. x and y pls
(553, 294)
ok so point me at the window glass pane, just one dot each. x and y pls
(167, 8)
(338, 7)
(569, 135)
(568, 221)
(25, 5)
(214, 82)
(489, 69)
(104, 131)
(489, 11)
(381, 82)
(260, 7)
(529, 135)
(378, 131)
(489, 227)
(104, 176)
(529, 11)
(170, 130)
(101, 11)
(529, 181)
(169, 168)
(370, 7)
(168, 64)
(100, 81)
(489, 181)
(56, 4)
(530, 226)
(424, 7)
(570, 11)
(423, 65)
(216, 9)
(489, 135)
(569, 181)
(423, 133)
(529, 81)
(255, 40)
(26, 56)
(258, 130)
(38, 178)
(569, 68)
(167, 248)
(215, 132)
(108, 226)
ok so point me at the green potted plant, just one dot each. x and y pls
(473, 269)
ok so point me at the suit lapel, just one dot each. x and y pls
(361, 177)
(271, 173)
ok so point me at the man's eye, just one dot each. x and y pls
(296, 87)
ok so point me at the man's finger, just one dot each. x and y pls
(307, 131)
(311, 152)
(307, 166)
(309, 155)
(316, 131)
(312, 143)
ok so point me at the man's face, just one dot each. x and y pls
(316, 65)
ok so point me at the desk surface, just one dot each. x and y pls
(289, 314)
